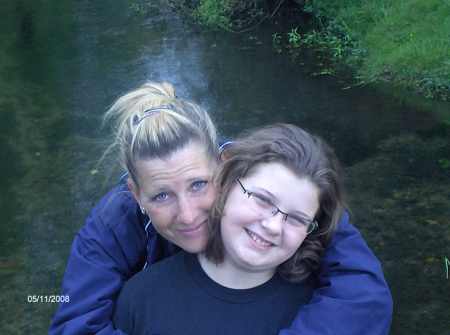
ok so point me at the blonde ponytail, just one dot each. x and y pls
(150, 122)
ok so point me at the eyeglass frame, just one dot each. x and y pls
(311, 223)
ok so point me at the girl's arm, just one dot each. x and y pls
(353, 297)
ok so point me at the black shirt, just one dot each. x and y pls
(176, 297)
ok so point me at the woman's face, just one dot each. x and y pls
(177, 193)
(259, 243)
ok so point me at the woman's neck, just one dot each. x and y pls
(229, 275)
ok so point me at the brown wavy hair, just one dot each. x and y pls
(307, 156)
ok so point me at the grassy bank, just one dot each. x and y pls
(405, 42)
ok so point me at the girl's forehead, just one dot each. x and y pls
(269, 173)
(285, 186)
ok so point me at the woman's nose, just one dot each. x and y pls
(186, 214)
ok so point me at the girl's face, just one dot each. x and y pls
(177, 193)
(254, 241)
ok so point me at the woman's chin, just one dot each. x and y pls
(194, 248)
(192, 240)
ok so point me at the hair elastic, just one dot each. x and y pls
(149, 112)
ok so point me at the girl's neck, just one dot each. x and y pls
(231, 276)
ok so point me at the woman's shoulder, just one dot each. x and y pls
(117, 203)
(116, 227)
(116, 208)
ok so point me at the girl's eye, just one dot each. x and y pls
(160, 197)
(262, 201)
(199, 185)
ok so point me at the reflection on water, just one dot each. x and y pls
(62, 63)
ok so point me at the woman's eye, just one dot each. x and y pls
(199, 185)
(160, 197)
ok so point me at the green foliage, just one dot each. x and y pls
(406, 41)
(294, 38)
(230, 15)
(333, 40)
(214, 13)
(329, 40)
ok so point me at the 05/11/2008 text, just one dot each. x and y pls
(36, 298)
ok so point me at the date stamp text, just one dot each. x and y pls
(47, 299)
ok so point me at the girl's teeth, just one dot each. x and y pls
(258, 240)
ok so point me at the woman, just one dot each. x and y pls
(168, 147)
(232, 287)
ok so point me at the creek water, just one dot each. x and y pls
(63, 63)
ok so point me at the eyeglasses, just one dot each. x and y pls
(267, 208)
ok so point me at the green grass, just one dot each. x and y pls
(406, 41)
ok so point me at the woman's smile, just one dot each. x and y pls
(194, 230)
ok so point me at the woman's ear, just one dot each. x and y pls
(224, 155)
(133, 189)
(224, 152)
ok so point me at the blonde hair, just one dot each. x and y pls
(151, 122)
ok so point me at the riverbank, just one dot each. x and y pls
(405, 43)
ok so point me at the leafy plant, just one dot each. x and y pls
(294, 38)
(214, 13)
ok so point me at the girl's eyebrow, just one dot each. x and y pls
(266, 193)
(275, 201)
(301, 214)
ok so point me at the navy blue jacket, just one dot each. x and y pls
(117, 241)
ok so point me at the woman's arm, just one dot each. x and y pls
(353, 297)
(107, 251)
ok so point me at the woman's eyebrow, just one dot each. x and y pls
(202, 177)
(156, 190)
